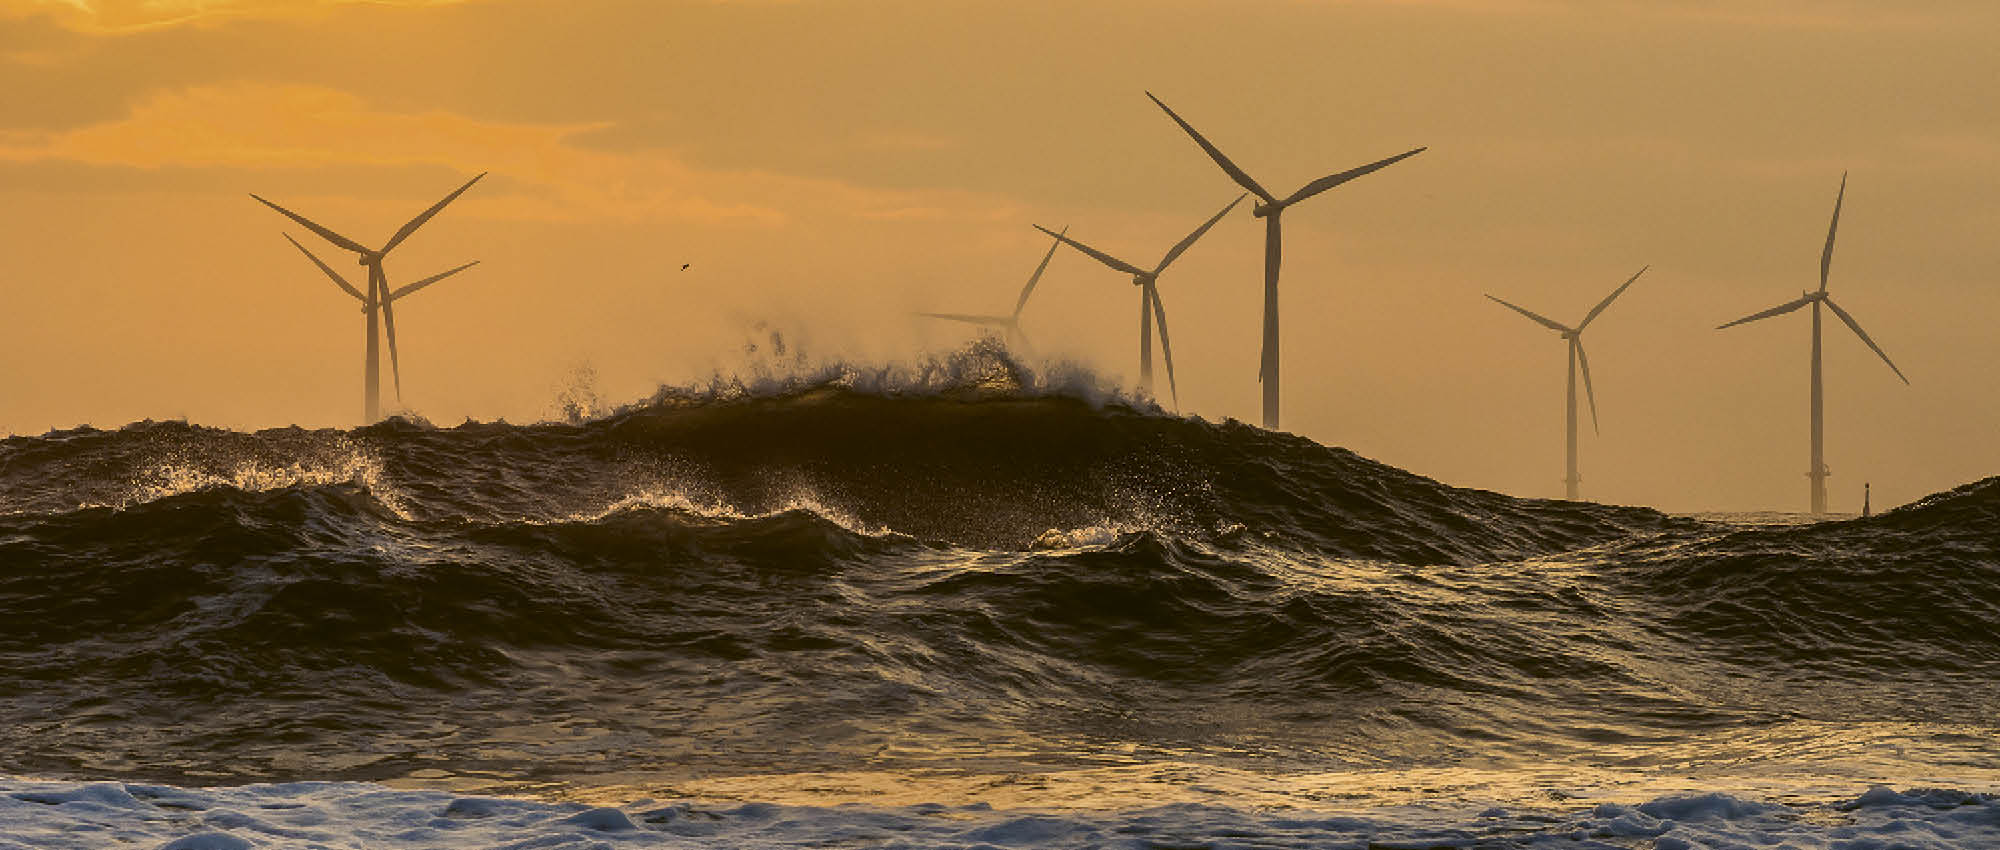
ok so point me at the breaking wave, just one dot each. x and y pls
(915, 568)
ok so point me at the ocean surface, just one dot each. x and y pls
(992, 611)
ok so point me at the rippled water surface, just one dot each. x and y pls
(827, 593)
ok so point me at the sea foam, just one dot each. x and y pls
(59, 816)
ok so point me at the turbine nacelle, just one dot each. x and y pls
(1266, 210)
(1143, 279)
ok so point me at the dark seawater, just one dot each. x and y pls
(830, 579)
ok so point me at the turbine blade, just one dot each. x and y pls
(1022, 302)
(1826, 257)
(324, 233)
(1588, 392)
(429, 280)
(1607, 302)
(1189, 241)
(1100, 256)
(1332, 180)
(1236, 174)
(967, 318)
(389, 324)
(1779, 310)
(328, 269)
(1544, 320)
(1856, 327)
(426, 215)
(1166, 348)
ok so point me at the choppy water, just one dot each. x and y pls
(723, 593)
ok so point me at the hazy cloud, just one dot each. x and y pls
(131, 15)
(253, 126)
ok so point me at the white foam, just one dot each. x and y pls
(984, 368)
(1088, 537)
(296, 816)
(340, 463)
(709, 506)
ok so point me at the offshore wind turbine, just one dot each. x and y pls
(1010, 324)
(1150, 307)
(1269, 208)
(1574, 336)
(1819, 470)
(379, 298)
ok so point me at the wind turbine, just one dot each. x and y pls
(1574, 336)
(1819, 471)
(1270, 208)
(1150, 306)
(378, 297)
(1010, 324)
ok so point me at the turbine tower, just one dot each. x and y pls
(1574, 336)
(1819, 471)
(1150, 307)
(370, 303)
(1009, 325)
(378, 298)
(1269, 208)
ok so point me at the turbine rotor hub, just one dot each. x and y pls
(1266, 210)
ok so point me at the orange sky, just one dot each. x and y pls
(827, 166)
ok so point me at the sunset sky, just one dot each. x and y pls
(828, 166)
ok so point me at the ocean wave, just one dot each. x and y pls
(983, 369)
(823, 573)
(84, 468)
(961, 463)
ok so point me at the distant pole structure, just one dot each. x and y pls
(1572, 481)
(1819, 472)
(1269, 207)
(379, 297)
(1150, 305)
(1864, 498)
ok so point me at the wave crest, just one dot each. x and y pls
(983, 369)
